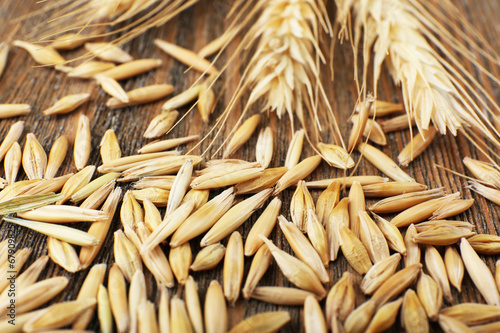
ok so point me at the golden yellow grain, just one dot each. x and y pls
(335, 156)
(68, 41)
(63, 214)
(453, 208)
(281, 295)
(88, 69)
(385, 317)
(383, 108)
(314, 320)
(112, 87)
(233, 268)
(179, 318)
(164, 310)
(180, 186)
(391, 188)
(264, 147)
(379, 273)
(404, 201)
(14, 110)
(180, 261)
(360, 318)
(193, 305)
(108, 52)
(132, 68)
(444, 235)
(208, 257)
(397, 123)
(63, 254)
(56, 156)
(126, 255)
(472, 313)
(21, 319)
(263, 226)
(266, 179)
(384, 163)
(372, 238)
(297, 173)
(451, 325)
(104, 310)
(158, 146)
(163, 182)
(157, 167)
(373, 131)
(76, 182)
(136, 297)
(417, 145)
(83, 145)
(182, 99)
(483, 171)
(93, 186)
(301, 202)
(327, 201)
(430, 295)
(485, 244)
(241, 135)
(262, 322)
(187, 57)
(34, 158)
(206, 100)
(216, 317)
(117, 290)
(161, 124)
(67, 104)
(295, 149)
(413, 252)
(339, 215)
(152, 216)
(12, 136)
(359, 126)
(353, 250)
(341, 299)
(20, 257)
(157, 196)
(317, 235)
(413, 317)
(258, 268)
(356, 204)
(396, 284)
(392, 234)
(143, 95)
(43, 55)
(436, 268)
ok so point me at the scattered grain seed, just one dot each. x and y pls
(161, 124)
(142, 95)
(483, 171)
(317, 235)
(335, 156)
(112, 87)
(117, 290)
(258, 268)
(264, 147)
(63, 214)
(158, 146)
(487, 192)
(126, 255)
(136, 297)
(327, 201)
(451, 325)
(451, 209)
(314, 320)
(43, 55)
(242, 134)
(339, 215)
(430, 295)
(413, 253)
(4, 54)
(63, 254)
(373, 130)
(34, 158)
(56, 156)
(76, 182)
(233, 268)
(396, 284)
(404, 201)
(281, 295)
(372, 238)
(152, 216)
(182, 99)
(158, 167)
(266, 179)
(360, 318)
(385, 317)
(104, 310)
(193, 305)
(83, 145)
(356, 204)
(445, 235)
(12, 136)
(341, 299)
(359, 126)
(391, 188)
(157, 196)
(132, 68)
(354, 251)
(179, 318)
(67, 104)
(108, 52)
(216, 317)
(297, 173)
(14, 110)
(206, 100)
(180, 261)
(398, 123)
(485, 244)
(164, 311)
(413, 317)
(392, 234)
(262, 322)
(187, 57)
(379, 273)
(263, 226)
(472, 313)
(301, 202)
(89, 69)
(417, 145)
(208, 257)
(384, 163)
(436, 268)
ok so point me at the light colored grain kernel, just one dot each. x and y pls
(206, 100)
(12, 163)
(56, 156)
(396, 284)
(83, 145)
(297, 173)
(262, 322)
(384, 108)
(4, 54)
(67, 104)
(93, 186)
(108, 52)
(14, 110)
(136, 297)
(162, 145)
(152, 216)
(64, 214)
(263, 226)
(281, 295)
(373, 131)
(295, 149)
(12, 136)
(161, 124)
(63, 254)
(163, 182)
(126, 255)
(179, 318)
(117, 290)
(27, 202)
(436, 268)
(182, 99)
(360, 318)
(472, 313)
(180, 186)
(404, 201)
(485, 244)
(242, 134)
(417, 145)
(208, 257)
(341, 299)
(301, 202)
(233, 268)
(193, 305)
(186, 57)
(20, 257)
(89, 69)
(104, 310)
(383, 190)
(353, 250)
(146, 315)
(34, 158)
(235, 217)
(43, 55)
(327, 201)
(479, 273)
(335, 156)
(76, 182)
(112, 87)
(483, 171)
(131, 211)
(413, 252)
(356, 204)
(157, 196)
(317, 235)
(158, 167)
(339, 215)
(443, 235)
(397, 123)
(180, 261)
(487, 192)
(143, 95)
(451, 325)
(314, 320)
(296, 271)
(372, 238)
(258, 268)
(216, 317)
(430, 295)
(264, 147)
(164, 311)
(384, 163)
(359, 126)
(392, 234)
(132, 68)
(413, 317)
(68, 41)
(385, 317)
(266, 179)
(110, 147)
(451, 209)
(379, 273)
(97, 198)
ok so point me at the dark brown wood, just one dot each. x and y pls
(23, 82)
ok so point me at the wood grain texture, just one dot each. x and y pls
(23, 82)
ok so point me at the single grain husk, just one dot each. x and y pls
(303, 249)
(208, 257)
(436, 268)
(264, 147)
(372, 238)
(83, 145)
(27, 202)
(346, 181)
(4, 54)
(34, 158)
(421, 211)
(301, 202)
(143, 95)
(413, 317)
(63, 214)
(353, 250)
(298, 172)
(163, 182)
(161, 124)
(104, 310)
(14, 110)
(430, 295)
(204, 218)
(89, 69)
(193, 305)
(136, 297)
(97, 198)
(384, 190)
(152, 216)
(281, 295)
(296, 271)
(109, 147)
(21, 319)
(76, 182)
(187, 57)
(472, 313)
(235, 217)
(431, 225)
(397, 123)
(47, 186)
(335, 156)
(392, 234)
(379, 273)
(131, 211)
(314, 320)
(126, 255)
(483, 171)
(217, 168)
(146, 318)
(339, 215)
(164, 310)
(132, 68)
(63, 254)
(413, 252)
(89, 290)
(396, 284)
(417, 145)
(479, 273)
(453, 208)
(157, 196)
(108, 52)
(258, 268)
(487, 192)
(356, 204)
(206, 100)
(444, 235)
(112, 87)
(263, 226)
(359, 125)
(327, 201)
(58, 315)
(485, 244)
(241, 135)
(216, 317)
(180, 260)
(198, 197)
(451, 325)
(295, 149)
(384, 163)
(180, 186)
(93, 186)
(341, 299)
(68, 41)
(117, 290)
(43, 55)
(486, 328)
(158, 167)
(233, 268)
(162, 145)
(373, 131)
(359, 319)
(385, 317)
(56, 156)
(317, 235)
(67, 104)
(66, 234)
(100, 229)
(404, 201)
(218, 43)
(182, 99)
(383, 108)
(14, 133)
(264, 322)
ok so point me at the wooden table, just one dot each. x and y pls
(41, 87)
